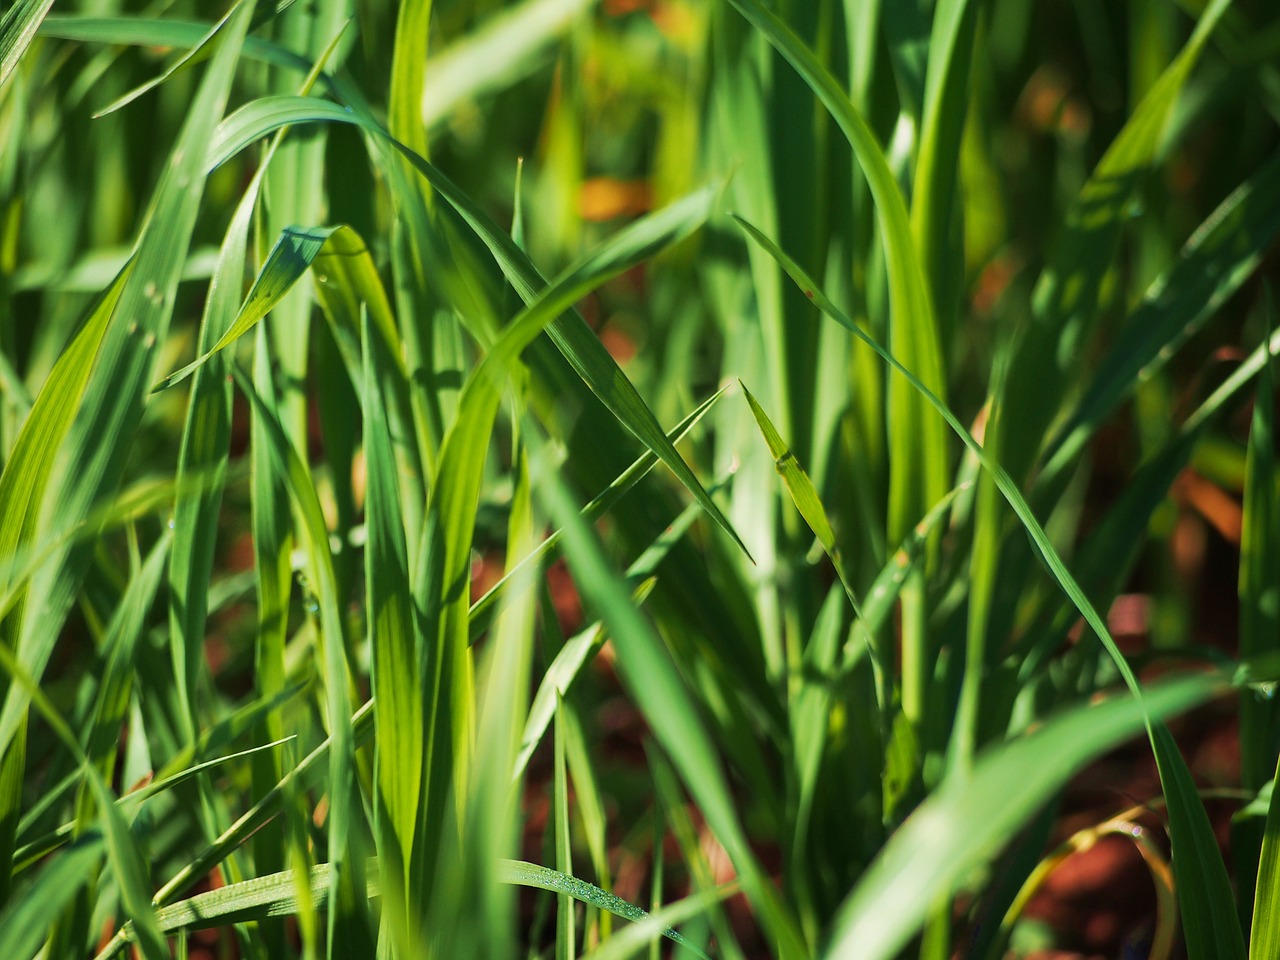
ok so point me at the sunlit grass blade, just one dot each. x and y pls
(544, 878)
(966, 821)
(660, 923)
(395, 645)
(17, 29)
(933, 197)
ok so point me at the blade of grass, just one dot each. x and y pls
(1264, 938)
(17, 29)
(1209, 921)
(395, 645)
(654, 681)
(967, 820)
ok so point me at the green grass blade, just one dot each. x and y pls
(918, 445)
(934, 209)
(966, 821)
(655, 683)
(1209, 920)
(544, 878)
(17, 29)
(1264, 939)
(395, 646)
(24, 926)
(661, 923)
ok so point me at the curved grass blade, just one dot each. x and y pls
(196, 55)
(966, 821)
(580, 347)
(661, 922)
(276, 895)
(288, 260)
(544, 878)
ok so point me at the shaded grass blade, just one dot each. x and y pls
(1209, 920)
(1264, 939)
(1066, 297)
(1222, 253)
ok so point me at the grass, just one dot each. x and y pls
(345, 348)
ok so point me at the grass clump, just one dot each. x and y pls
(342, 511)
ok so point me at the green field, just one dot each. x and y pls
(604, 478)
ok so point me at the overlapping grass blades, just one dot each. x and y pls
(780, 735)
